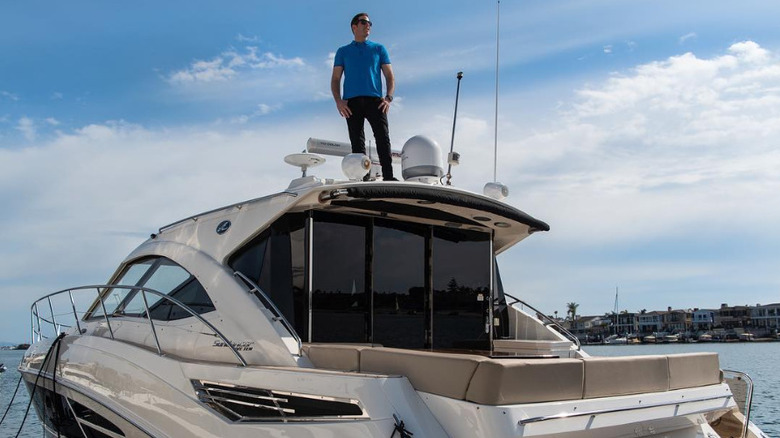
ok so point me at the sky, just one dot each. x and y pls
(645, 133)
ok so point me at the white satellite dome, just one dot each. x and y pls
(421, 160)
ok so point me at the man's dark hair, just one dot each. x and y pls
(355, 19)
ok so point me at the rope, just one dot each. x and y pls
(35, 384)
(18, 384)
(400, 427)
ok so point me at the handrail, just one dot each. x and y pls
(615, 410)
(748, 398)
(558, 327)
(36, 316)
(269, 304)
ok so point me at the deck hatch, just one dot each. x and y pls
(245, 404)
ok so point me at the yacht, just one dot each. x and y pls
(347, 308)
(616, 340)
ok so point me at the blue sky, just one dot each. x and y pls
(645, 132)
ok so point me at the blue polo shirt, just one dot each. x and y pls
(362, 63)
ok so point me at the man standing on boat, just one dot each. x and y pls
(362, 63)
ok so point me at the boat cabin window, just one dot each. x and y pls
(164, 276)
(375, 280)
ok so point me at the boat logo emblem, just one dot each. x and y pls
(223, 227)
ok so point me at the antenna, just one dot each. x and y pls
(453, 159)
(495, 121)
(495, 189)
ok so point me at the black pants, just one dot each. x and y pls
(367, 108)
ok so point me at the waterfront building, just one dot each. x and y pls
(650, 322)
(732, 317)
(766, 317)
(677, 320)
(627, 322)
(703, 319)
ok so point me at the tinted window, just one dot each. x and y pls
(164, 276)
(339, 298)
(131, 277)
(461, 288)
(276, 262)
(377, 280)
(399, 285)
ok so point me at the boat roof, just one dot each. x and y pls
(432, 204)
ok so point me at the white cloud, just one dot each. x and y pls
(607, 49)
(57, 96)
(270, 60)
(264, 109)
(27, 127)
(750, 51)
(247, 39)
(204, 71)
(9, 95)
(230, 64)
(687, 36)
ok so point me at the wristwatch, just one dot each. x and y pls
(389, 98)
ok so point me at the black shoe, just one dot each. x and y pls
(367, 177)
(390, 179)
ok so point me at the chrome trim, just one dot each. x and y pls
(332, 194)
(105, 314)
(491, 300)
(748, 398)
(204, 387)
(37, 335)
(151, 322)
(73, 305)
(310, 270)
(615, 410)
(53, 318)
(254, 405)
(549, 320)
(244, 394)
(78, 420)
(269, 304)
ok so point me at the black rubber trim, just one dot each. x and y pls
(458, 199)
(404, 209)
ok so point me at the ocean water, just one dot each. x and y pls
(8, 380)
(757, 359)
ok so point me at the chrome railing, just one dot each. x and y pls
(39, 321)
(269, 304)
(603, 411)
(739, 376)
(548, 321)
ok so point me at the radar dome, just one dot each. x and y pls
(421, 160)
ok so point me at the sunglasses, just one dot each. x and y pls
(365, 22)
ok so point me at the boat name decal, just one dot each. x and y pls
(239, 346)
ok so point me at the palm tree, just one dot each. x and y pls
(572, 310)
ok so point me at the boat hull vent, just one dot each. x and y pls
(245, 404)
